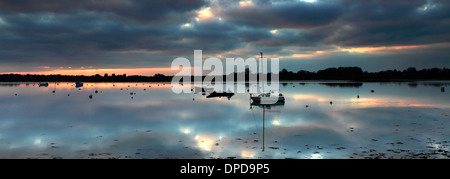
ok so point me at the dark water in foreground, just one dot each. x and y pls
(398, 120)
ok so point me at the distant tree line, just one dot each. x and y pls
(95, 78)
(341, 73)
(357, 74)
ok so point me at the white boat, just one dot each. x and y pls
(267, 98)
(271, 97)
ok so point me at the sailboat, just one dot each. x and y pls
(270, 97)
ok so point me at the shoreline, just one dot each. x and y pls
(281, 81)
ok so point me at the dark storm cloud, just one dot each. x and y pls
(64, 33)
(151, 33)
(379, 23)
(349, 22)
(217, 37)
(68, 35)
(137, 10)
(295, 38)
(286, 14)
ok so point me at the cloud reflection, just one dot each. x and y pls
(159, 124)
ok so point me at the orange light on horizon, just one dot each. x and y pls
(103, 86)
(91, 71)
(378, 49)
(362, 50)
(297, 55)
(308, 55)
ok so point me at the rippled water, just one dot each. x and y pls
(134, 120)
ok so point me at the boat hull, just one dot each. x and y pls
(215, 94)
(267, 100)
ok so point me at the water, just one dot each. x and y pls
(397, 120)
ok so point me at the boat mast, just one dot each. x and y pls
(262, 68)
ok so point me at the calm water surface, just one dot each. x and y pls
(397, 120)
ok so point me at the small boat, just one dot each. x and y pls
(43, 84)
(215, 94)
(267, 98)
(78, 84)
(271, 97)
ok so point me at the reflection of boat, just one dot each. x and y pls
(78, 84)
(267, 98)
(215, 94)
(270, 108)
(203, 90)
(54, 90)
(43, 84)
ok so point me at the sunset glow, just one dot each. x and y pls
(205, 14)
(93, 71)
(303, 55)
(204, 143)
(247, 154)
(366, 102)
(142, 35)
(223, 80)
(379, 49)
(386, 102)
(308, 55)
(300, 97)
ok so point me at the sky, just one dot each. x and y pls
(143, 37)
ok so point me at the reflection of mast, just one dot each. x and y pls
(269, 106)
(264, 122)
(358, 93)
(54, 89)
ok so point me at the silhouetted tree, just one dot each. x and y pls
(341, 73)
